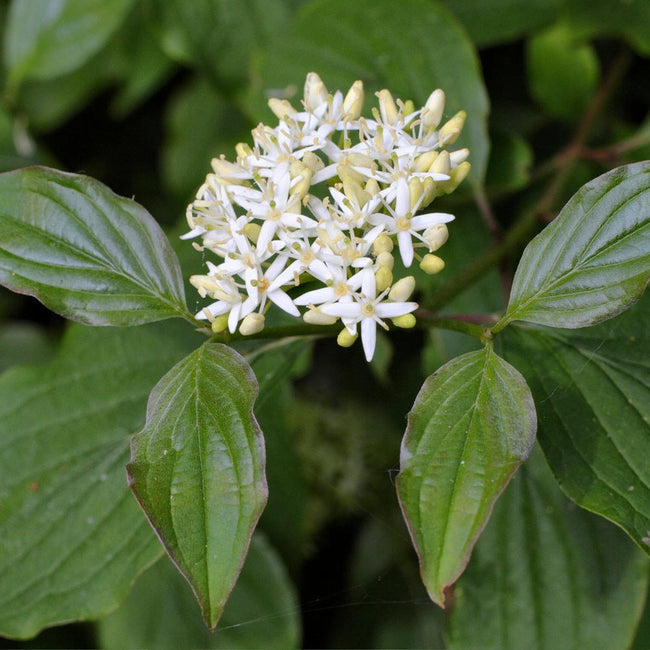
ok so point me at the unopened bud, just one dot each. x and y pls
(353, 102)
(408, 107)
(316, 317)
(386, 260)
(432, 264)
(243, 149)
(433, 109)
(436, 236)
(345, 339)
(441, 164)
(252, 324)
(281, 107)
(219, 324)
(407, 321)
(387, 107)
(382, 243)
(451, 130)
(372, 187)
(313, 161)
(457, 157)
(402, 289)
(252, 231)
(416, 189)
(429, 192)
(424, 161)
(349, 175)
(298, 169)
(383, 278)
(315, 91)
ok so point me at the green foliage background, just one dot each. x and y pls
(140, 94)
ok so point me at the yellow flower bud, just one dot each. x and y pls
(441, 164)
(385, 259)
(220, 323)
(387, 107)
(408, 107)
(372, 187)
(252, 324)
(382, 243)
(315, 91)
(451, 130)
(281, 107)
(316, 317)
(252, 231)
(432, 264)
(243, 150)
(402, 289)
(424, 161)
(313, 161)
(457, 157)
(436, 236)
(353, 102)
(345, 339)
(407, 321)
(383, 278)
(433, 109)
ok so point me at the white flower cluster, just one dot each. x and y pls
(322, 198)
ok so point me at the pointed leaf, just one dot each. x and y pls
(72, 538)
(547, 575)
(472, 425)
(197, 469)
(161, 611)
(85, 252)
(592, 389)
(593, 261)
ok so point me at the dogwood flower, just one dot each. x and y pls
(306, 217)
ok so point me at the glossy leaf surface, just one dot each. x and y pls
(592, 390)
(593, 260)
(84, 252)
(547, 575)
(472, 425)
(197, 469)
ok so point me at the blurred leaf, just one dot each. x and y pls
(17, 149)
(197, 470)
(85, 252)
(218, 36)
(593, 261)
(511, 159)
(161, 611)
(563, 73)
(496, 21)
(592, 389)
(48, 38)
(627, 19)
(547, 575)
(24, 343)
(72, 538)
(471, 426)
(386, 47)
(200, 125)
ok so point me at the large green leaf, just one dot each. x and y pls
(72, 538)
(592, 389)
(472, 425)
(411, 49)
(219, 36)
(593, 261)
(563, 73)
(85, 252)
(494, 21)
(48, 38)
(161, 611)
(197, 469)
(547, 575)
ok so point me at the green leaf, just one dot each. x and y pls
(592, 389)
(24, 343)
(563, 73)
(547, 575)
(472, 425)
(72, 538)
(197, 469)
(161, 611)
(490, 22)
(218, 36)
(593, 261)
(627, 19)
(411, 50)
(48, 38)
(85, 252)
